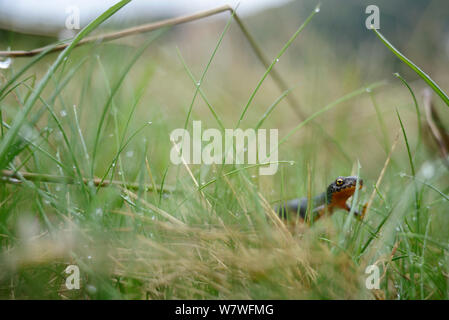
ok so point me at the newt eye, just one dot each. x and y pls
(339, 182)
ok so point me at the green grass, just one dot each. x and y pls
(107, 112)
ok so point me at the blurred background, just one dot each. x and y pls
(335, 55)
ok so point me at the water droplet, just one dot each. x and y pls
(277, 59)
(317, 9)
(153, 217)
(368, 90)
(120, 173)
(99, 212)
(129, 154)
(89, 257)
(90, 184)
(111, 135)
(198, 83)
(5, 63)
(91, 289)
(291, 162)
(149, 122)
(402, 174)
(63, 113)
(427, 170)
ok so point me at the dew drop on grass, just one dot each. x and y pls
(91, 289)
(428, 170)
(317, 9)
(292, 163)
(63, 113)
(99, 212)
(277, 59)
(129, 154)
(5, 63)
(368, 90)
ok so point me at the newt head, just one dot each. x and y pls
(341, 189)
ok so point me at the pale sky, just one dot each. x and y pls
(49, 16)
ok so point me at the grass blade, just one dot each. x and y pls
(21, 117)
(289, 42)
(415, 68)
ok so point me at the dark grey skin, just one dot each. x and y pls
(335, 197)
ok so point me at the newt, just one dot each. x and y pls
(335, 197)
